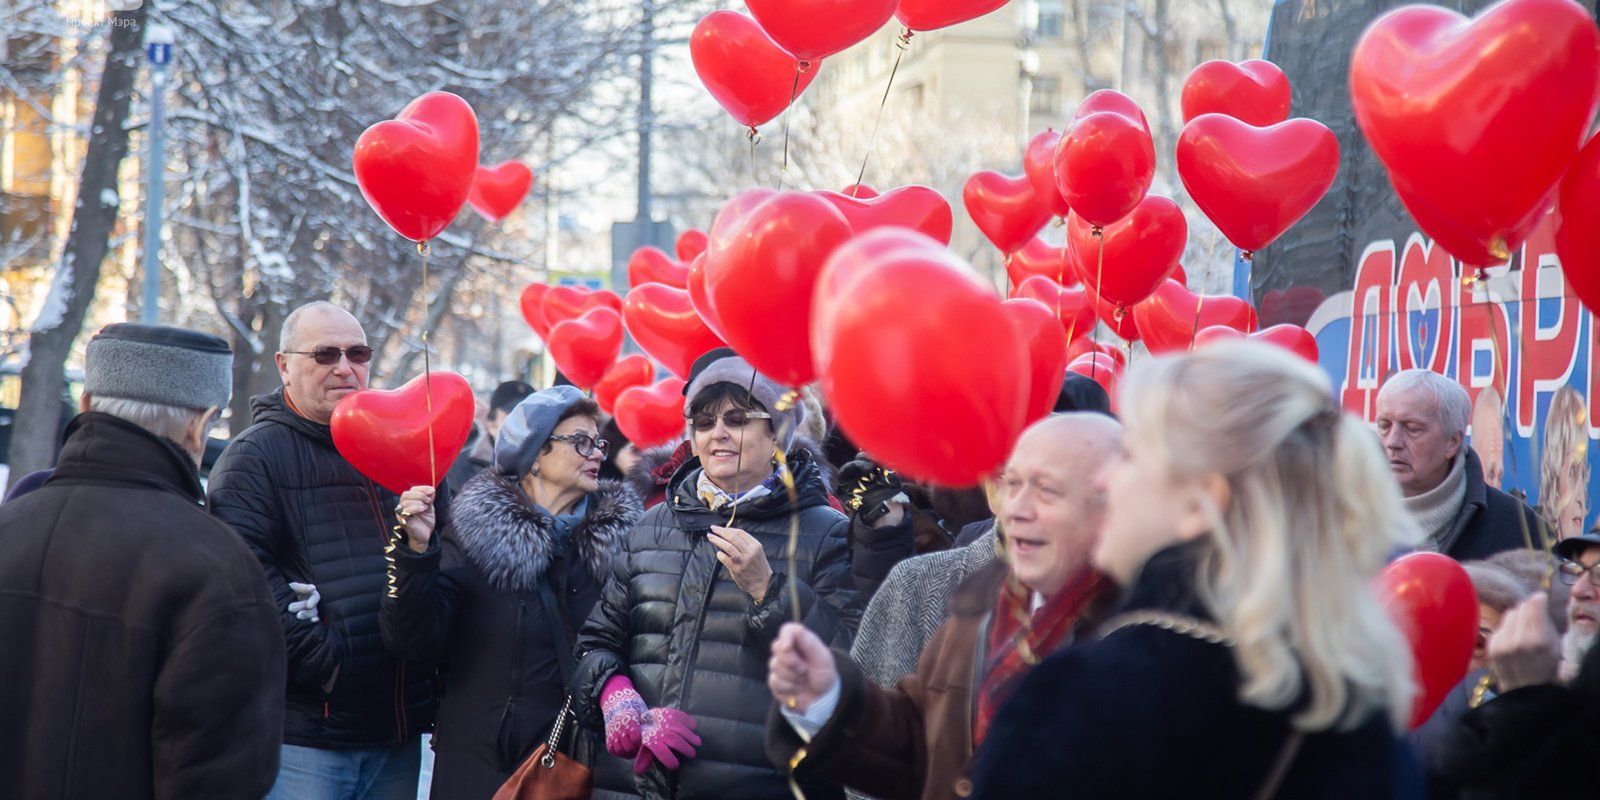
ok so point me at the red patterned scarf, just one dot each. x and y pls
(1018, 640)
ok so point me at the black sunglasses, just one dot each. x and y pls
(585, 444)
(328, 356)
(735, 419)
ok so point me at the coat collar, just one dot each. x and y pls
(1167, 582)
(272, 408)
(104, 449)
(512, 542)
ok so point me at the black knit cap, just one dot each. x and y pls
(507, 395)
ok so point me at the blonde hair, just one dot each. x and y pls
(1565, 443)
(1312, 515)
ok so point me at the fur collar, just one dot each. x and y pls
(512, 544)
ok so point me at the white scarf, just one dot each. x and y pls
(1436, 508)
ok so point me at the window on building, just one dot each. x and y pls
(1051, 19)
(1046, 96)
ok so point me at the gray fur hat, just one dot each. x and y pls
(159, 364)
(528, 427)
(724, 366)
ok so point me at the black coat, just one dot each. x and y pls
(1487, 522)
(473, 602)
(674, 621)
(311, 517)
(140, 654)
(1149, 713)
(1535, 743)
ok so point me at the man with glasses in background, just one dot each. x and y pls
(319, 527)
(1540, 736)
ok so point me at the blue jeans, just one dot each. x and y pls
(386, 773)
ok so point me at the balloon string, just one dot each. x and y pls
(902, 44)
(427, 367)
(800, 68)
(1099, 274)
(755, 138)
(1194, 333)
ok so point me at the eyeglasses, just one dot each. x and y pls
(328, 356)
(585, 444)
(1571, 571)
(735, 419)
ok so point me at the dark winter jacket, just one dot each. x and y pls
(311, 517)
(1534, 742)
(1148, 713)
(474, 602)
(140, 655)
(913, 740)
(673, 620)
(1487, 522)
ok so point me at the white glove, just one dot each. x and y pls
(306, 607)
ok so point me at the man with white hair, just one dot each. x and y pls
(140, 654)
(1422, 421)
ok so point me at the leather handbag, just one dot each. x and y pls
(549, 774)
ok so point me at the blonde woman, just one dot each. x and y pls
(1249, 658)
(1564, 469)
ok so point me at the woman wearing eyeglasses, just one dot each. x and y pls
(499, 599)
(673, 659)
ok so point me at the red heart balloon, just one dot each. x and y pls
(1254, 92)
(1083, 346)
(745, 71)
(1005, 209)
(385, 434)
(1070, 307)
(1119, 319)
(1139, 251)
(691, 243)
(1173, 315)
(1112, 101)
(1476, 120)
(416, 170)
(665, 324)
(532, 302)
(814, 29)
(562, 303)
(630, 371)
(931, 15)
(652, 265)
(1432, 600)
(652, 415)
(584, 348)
(1577, 235)
(950, 403)
(1047, 353)
(859, 191)
(498, 190)
(1039, 257)
(1105, 164)
(1256, 182)
(1100, 368)
(698, 297)
(1293, 338)
(760, 271)
(1039, 164)
(916, 207)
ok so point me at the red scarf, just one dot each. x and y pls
(1018, 640)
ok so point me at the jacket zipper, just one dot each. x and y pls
(400, 665)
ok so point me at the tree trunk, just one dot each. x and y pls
(35, 436)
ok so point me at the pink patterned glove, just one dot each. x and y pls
(624, 712)
(668, 733)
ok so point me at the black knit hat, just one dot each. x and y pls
(507, 395)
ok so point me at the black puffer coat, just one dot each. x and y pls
(310, 517)
(674, 621)
(473, 601)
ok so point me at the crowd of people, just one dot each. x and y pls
(1171, 600)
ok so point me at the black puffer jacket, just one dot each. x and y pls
(674, 621)
(473, 601)
(310, 517)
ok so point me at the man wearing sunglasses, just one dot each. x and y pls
(318, 527)
(1535, 738)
